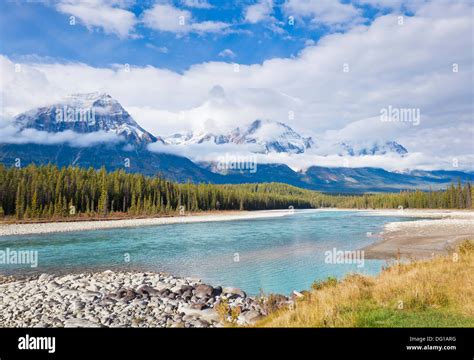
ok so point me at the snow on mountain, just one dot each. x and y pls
(371, 148)
(277, 137)
(197, 138)
(99, 112)
(86, 113)
(269, 136)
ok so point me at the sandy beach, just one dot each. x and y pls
(55, 227)
(440, 232)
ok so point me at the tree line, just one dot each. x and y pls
(52, 192)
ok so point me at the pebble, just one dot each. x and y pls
(121, 299)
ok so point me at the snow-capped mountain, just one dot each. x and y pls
(267, 136)
(89, 113)
(276, 137)
(196, 138)
(86, 113)
(372, 148)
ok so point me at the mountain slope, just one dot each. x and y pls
(95, 113)
(373, 148)
(111, 157)
(86, 113)
(266, 136)
(89, 114)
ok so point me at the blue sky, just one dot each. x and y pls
(43, 30)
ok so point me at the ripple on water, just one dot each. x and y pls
(274, 254)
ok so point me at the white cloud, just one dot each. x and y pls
(332, 13)
(406, 66)
(198, 4)
(258, 12)
(160, 49)
(105, 14)
(210, 152)
(209, 26)
(12, 135)
(166, 17)
(227, 53)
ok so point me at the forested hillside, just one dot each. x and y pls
(52, 192)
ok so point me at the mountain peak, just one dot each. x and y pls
(95, 95)
(255, 125)
(269, 136)
(86, 113)
(374, 148)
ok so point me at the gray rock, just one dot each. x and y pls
(249, 317)
(203, 291)
(208, 315)
(91, 295)
(217, 291)
(198, 306)
(147, 290)
(186, 288)
(234, 291)
(187, 295)
(80, 323)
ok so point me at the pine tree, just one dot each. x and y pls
(102, 207)
(34, 205)
(19, 202)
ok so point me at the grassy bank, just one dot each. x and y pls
(434, 293)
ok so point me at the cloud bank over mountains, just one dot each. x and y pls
(334, 89)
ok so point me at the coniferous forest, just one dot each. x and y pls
(47, 192)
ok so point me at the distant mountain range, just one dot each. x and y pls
(374, 148)
(93, 113)
(269, 136)
(96, 113)
(277, 137)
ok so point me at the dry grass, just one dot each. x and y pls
(438, 292)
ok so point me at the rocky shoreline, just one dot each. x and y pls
(127, 299)
(422, 239)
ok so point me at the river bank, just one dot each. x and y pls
(69, 226)
(126, 299)
(437, 235)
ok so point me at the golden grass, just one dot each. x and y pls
(437, 292)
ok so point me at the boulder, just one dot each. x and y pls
(232, 291)
(203, 291)
(80, 323)
(217, 291)
(187, 295)
(209, 315)
(249, 317)
(298, 294)
(186, 288)
(177, 290)
(198, 306)
(147, 290)
(165, 292)
(129, 296)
